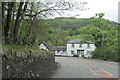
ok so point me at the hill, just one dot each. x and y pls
(68, 23)
(72, 24)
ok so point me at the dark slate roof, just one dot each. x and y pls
(77, 41)
(60, 48)
(49, 46)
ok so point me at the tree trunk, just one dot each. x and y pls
(19, 21)
(0, 27)
(28, 30)
(2, 11)
(7, 26)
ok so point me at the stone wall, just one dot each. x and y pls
(17, 64)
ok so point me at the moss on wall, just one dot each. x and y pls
(27, 63)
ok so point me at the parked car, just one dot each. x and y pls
(75, 55)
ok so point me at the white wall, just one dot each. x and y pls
(42, 46)
(76, 47)
(60, 52)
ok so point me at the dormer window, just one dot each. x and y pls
(58, 51)
(72, 45)
(63, 50)
(88, 45)
(80, 45)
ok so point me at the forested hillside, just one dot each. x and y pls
(81, 28)
(102, 32)
(67, 23)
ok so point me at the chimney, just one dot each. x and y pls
(68, 38)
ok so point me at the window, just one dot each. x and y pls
(72, 45)
(58, 51)
(72, 52)
(88, 52)
(80, 45)
(63, 50)
(88, 45)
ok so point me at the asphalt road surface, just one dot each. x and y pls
(0, 69)
(75, 67)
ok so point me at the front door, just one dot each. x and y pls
(80, 53)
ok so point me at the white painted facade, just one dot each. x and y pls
(73, 47)
(43, 47)
(81, 49)
(60, 53)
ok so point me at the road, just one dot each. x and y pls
(75, 67)
(0, 69)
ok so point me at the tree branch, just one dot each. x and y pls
(44, 11)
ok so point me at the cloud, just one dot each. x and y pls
(109, 7)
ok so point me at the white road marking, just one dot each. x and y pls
(106, 72)
(93, 72)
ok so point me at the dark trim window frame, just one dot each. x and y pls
(80, 45)
(72, 52)
(88, 45)
(64, 50)
(58, 51)
(72, 44)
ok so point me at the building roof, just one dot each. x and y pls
(77, 41)
(49, 46)
(60, 48)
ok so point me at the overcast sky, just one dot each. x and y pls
(109, 7)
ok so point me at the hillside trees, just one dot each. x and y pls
(57, 37)
(101, 31)
(118, 41)
(91, 29)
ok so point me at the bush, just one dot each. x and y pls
(105, 53)
(89, 58)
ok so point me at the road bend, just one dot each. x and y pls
(76, 67)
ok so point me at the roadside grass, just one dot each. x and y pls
(89, 57)
(23, 48)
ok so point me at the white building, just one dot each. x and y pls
(83, 50)
(46, 46)
(60, 51)
(73, 47)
